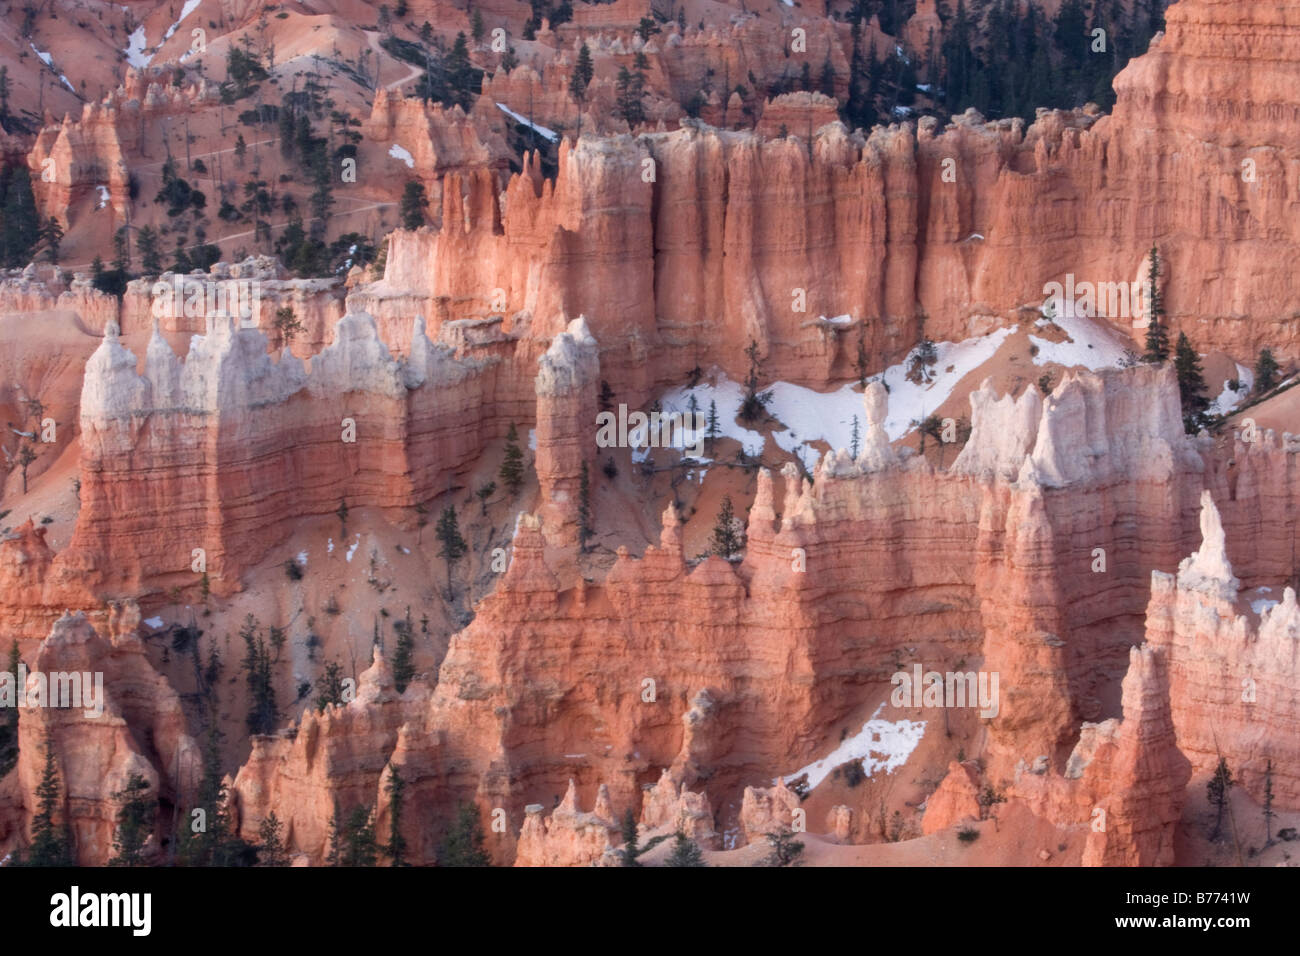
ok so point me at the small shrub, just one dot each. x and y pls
(293, 570)
(968, 834)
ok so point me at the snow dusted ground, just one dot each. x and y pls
(811, 416)
(1227, 399)
(879, 745)
(1093, 343)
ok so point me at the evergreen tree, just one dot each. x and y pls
(403, 665)
(630, 850)
(258, 674)
(146, 240)
(463, 845)
(51, 845)
(352, 842)
(329, 686)
(453, 545)
(414, 202)
(1268, 803)
(460, 73)
(714, 430)
(509, 60)
(9, 721)
(135, 816)
(1157, 344)
(754, 402)
(726, 541)
(1266, 369)
(1217, 791)
(20, 223)
(629, 95)
(785, 848)
(1191, 385)
(272, 852)
(50, 239)
(476, 28)
(583, 71)
(855, 438)
(396, 790)
(512, 467)
(685, 852)
(584, 509)
(4, 93)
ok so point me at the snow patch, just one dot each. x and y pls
(879, 745)
(1262, 605)
(1228, 399)
(541, 130)
(728, 395)
(153, 622)
(352, 548)
(397, 152)
(136, 44)
(1093, 344)
(190, 7)
(329, 546)
(302, 558)
(532, 439)
(103, 197)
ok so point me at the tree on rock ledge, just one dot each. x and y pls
(1157, 344)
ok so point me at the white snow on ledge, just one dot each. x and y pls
(542, 130)
(190, 7)
(398, 152)
(879, 745)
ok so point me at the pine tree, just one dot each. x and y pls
(329, 686)
(460, 73)
(1157, 344)
(50, 843)
(583, 71)
(785, 849)
(630, 850)
(453, 545)
(396, 790)
(9, 721)
(1191, 385)
(50, 238)
(1268, 803)
(754, 402)
(352, 842)
(272, 852)
(856, 438)
(146, 241)
(726, 542)
(512, 467)
(463, 845)
(20, 222)
(134, 822)
(685, 852)
(403, 664)
(258, 674)
(714, 430)
(584, 509)
(1266, 369)
(1217, 791)
(414, 202)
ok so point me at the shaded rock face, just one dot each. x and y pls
(139, 729)
(1232, 668)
